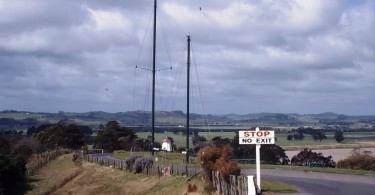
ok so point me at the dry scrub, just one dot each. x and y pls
(54, 175)
(96, 179)
(63, 176)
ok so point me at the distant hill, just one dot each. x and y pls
(11, 119)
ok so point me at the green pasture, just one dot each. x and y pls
(88, 122)
(350, 138)
(180, 140)
(20, 115)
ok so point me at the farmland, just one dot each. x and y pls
(352, 140)
(165, 120)
(358, 130)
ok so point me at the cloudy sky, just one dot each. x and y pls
(248, 56)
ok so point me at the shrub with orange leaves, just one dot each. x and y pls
(218, 159)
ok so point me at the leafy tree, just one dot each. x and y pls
(12, 175)
(22, 151)
(318, 135)
(289, 137)
(299, 136)
(73, 136)
(273, 154)
(114, 137)
(306, 156)
(106, 139)
(4, 146)
(198, 142)
(67, 136)
(339, 136)
(141, 144)
(31, 143)
(270, 153)
(32, 130)
(218, 141)
(86, 130)
(197, 139)
(51, 137)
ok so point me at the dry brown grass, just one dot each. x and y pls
(96, 179)
(53, 175)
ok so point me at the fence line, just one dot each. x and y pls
(237, 185)
(44, 159)
(149, 170)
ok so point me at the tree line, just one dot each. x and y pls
(316, 134)
(15, 151)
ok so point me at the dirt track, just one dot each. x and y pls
(64, 176)
(97, 179)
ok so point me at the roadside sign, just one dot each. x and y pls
(256, 137)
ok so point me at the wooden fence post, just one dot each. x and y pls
(250, 185)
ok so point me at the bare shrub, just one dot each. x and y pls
(359, 161)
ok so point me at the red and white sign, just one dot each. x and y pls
(256, 137)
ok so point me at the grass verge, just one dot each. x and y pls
(306, 168)
(277, 187)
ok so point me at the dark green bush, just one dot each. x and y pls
(12, 175)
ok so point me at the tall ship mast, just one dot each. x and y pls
(188, 100)
(153, 80)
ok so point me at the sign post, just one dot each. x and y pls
(257, 137)
(257, 154)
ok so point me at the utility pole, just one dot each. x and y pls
(188, 100)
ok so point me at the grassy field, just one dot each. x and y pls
(351, 139)
(180, 140)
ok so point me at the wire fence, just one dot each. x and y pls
(103, 159)
(43, 159)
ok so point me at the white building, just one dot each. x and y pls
(167, 145)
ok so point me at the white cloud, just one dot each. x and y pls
(251, 56)
(110, 21)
